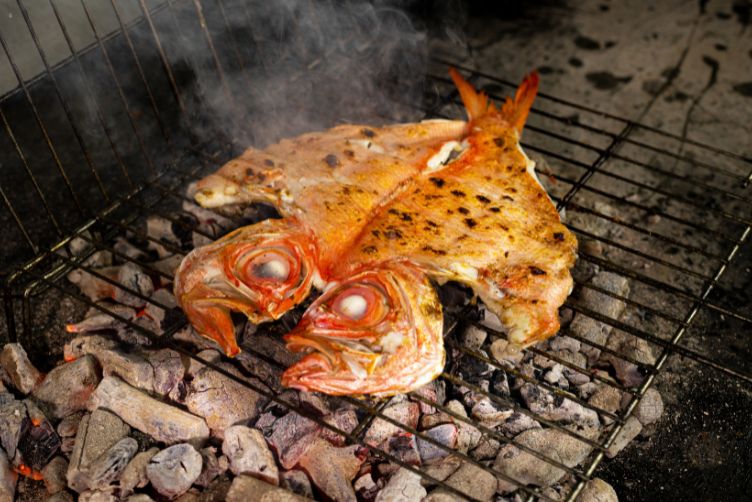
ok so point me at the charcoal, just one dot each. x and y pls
(297, 482)
(38, 442)
(332, 469)
(606, 398)
(491, 321)
(405, 412)
(127, 275)
(97, 496)
(161, 230)
(530, 470)
(97, 433)
(473, 337)
(555, 376)
(597, 490)
(563, 342)
(140, 497)
(650, 407)
(245, 488)
(211, 466)
(432, 392)
(500, 384)
(12, 416)
(263, 372)
(60, 497)
(108, 467)
(441, 470)
(587, 327)
(167, 265)
(404, 447)
(222, 401)
(67, 388)
(630, 347)
(556, 407)
(486, 449)
(23, 376)
(471, 480)
(403, 486)
(123, 246)
(54, 475)
(132, 368)
(248, 453)
(163, 422)
(468, 436)
(344, 419)
(265, 423)
(517, 423)
(490, 413)
(446, 435)
(134, 474)
(442, 495)
(191, 495)
(365, 487)
(163, 297)
(173, 470)
(168, 369)
(209, 355)
(631, 428)
(8, 479)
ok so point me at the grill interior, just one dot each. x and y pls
(111, 134)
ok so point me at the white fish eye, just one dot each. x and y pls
(353, 306)
(273, 269)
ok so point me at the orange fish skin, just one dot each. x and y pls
(261, 270)
(395, 347)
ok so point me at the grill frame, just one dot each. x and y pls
(46, 270)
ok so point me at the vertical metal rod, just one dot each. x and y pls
(25, 163)
(165, 62)
(90, 92)
(119, 87)
(235, 45)
(63, 102)
(38, 119)
(18, 221)
(141, 73)
(212, 49)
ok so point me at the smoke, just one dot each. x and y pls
(291, 66)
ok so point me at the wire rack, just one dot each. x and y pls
(668, 213)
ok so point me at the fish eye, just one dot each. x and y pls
(271, 266)
(359, 303)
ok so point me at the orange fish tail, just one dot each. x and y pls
(515, 110)
(476, 103)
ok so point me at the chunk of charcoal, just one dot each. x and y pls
(248, 453)
(441, 470)
(631, 428)
(108, 467)
(332, 469)
(22, 375)
(597, 490)
(7, 479)
(405, 412)
(245, 488)
(68, 426)
(473, 337)
(173, 470)
(222, 401)
(53, 475)
(211, 466)
(168, 369)
(446, 435)
(468, 436)
(517, 423)
(486, 449)
(38, 442)
(163, 422)
(97, 496)
(528, 469)
(471, 480)
(12, 415)
(97, 433)
(432, 393)
(297, 482)
(134, 474)
(404, 447)
(650, 407)
(557, 407)
(607, 398)
(343, 419)
(403, 486)
(67, 388)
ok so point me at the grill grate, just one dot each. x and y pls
(669, 213)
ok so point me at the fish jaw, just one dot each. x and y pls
(261, 271)
(388, 344)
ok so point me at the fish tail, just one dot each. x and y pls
(515, 110)
(476, 103)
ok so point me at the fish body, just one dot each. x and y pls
(371, 216)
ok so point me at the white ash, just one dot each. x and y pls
(471, 480)
(556, 407)
(597, 490)
(97, 496)
(631, 428)
(54, 475)
(446, 435)
(134, 474)
(8, 478)
(245, 488)
(297, 482)
(405, 412)
(66, 389)
(650, 407)
(173, 470)
(108, 467)
(517, 423)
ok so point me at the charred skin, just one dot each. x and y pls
(377, 332)
(262, 271)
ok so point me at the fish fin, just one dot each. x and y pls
(515, 110)
(476, 103)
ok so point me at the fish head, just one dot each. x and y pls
(377, 332)
(262, 271)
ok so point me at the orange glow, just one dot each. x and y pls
(36, 422)
(71, 328)
(69, 359)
